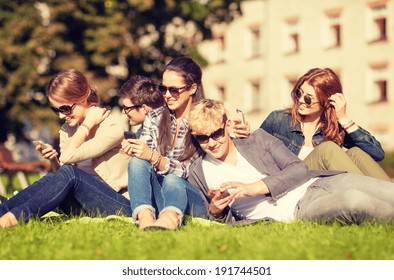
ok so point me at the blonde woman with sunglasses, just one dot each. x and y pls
(90, 147)
(318, 130)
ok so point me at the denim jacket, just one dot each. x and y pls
(278, 124)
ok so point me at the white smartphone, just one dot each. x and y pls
(43, 145)
(242, 115)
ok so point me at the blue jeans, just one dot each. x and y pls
(68, 184)
(159, 193)
(347, 198)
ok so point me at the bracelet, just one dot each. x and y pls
(349, 125)
(151, 156)
(157, 162)
(85, 128)
(346, 123)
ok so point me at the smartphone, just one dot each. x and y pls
(224, 194)
(129, 135)
(242, 116)
(43, 145)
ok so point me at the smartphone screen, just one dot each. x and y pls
(224, 194)
(129, 135)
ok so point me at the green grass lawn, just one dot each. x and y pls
(83, 238)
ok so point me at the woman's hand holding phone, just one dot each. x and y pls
(47, 151)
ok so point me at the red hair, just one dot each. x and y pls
(325, 83)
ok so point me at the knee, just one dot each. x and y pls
(356, 152)
(67, 169)
(327, 147)
(137, 163)
(172, 182)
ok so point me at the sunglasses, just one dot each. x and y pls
(216, 135)
(65, 109)
(174, 91)
(307, 99)
(127, 109)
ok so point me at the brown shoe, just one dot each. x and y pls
(168, 220)
(146, 218)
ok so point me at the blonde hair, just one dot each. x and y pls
(207, 114)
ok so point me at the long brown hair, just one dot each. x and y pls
(71, 85)
(325, 83)
(192, 74)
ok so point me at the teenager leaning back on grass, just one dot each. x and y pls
(258, 178)
(90, 147)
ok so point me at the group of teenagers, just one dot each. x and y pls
(309, 162)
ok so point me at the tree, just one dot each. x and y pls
(107, 40)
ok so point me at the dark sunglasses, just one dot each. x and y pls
(127, 109)
(65, 109)
(307, 99)
(216, 135)
(173, 90)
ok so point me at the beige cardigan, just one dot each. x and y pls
(108, 160)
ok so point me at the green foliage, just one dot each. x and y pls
(39, 39)
(107, 239)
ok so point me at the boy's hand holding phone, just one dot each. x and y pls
(241, 128)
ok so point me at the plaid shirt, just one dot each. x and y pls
(150, 134)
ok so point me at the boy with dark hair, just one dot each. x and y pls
(139, 95)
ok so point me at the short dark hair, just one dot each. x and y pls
(142, 90)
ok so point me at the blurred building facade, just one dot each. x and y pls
(254, 60)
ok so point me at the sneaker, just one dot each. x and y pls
(2, 199)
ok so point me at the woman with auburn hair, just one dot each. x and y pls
(317, 128)
(90, 146)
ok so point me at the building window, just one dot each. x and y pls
(221, 42)
(252, 45)
(219, 48)
(252, 97)
(255, 42)
(377, 21)
(221, 92)
(291, 42)
(332, 29)
(377, 90)
(286, 101)
(381, 90)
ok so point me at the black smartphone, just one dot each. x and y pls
(224, 194)
(129, 135)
